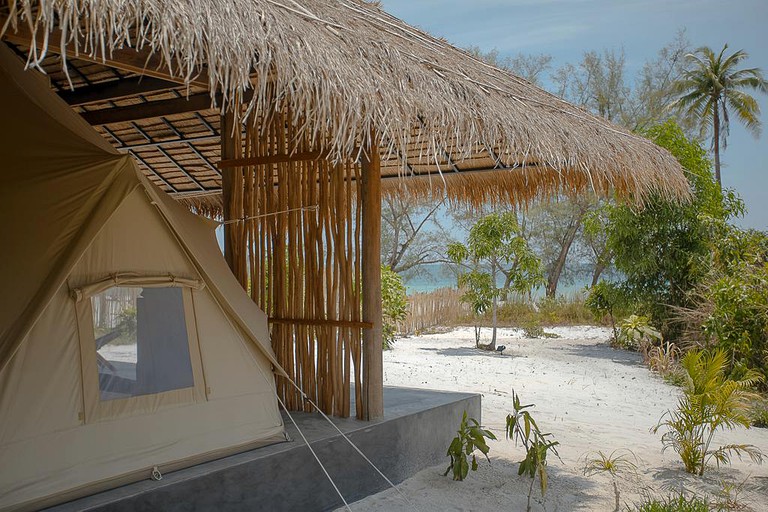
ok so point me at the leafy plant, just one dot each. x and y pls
(673, 503)
(710, 402)
(521, 426)
(496, 242)
(478, 295)
(394, 304)
(604, 299)
(636, 333)
(618, 462)
(470, 437)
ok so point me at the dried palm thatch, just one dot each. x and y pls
(347, 70)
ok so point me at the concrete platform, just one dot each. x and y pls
(414, 434)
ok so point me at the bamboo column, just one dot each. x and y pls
(227, 175)
(373, 372)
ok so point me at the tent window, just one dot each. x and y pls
(142, 344)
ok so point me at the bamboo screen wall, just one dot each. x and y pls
(301, 265)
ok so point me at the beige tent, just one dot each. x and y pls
(125, 341)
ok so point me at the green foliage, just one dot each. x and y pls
(673, 503)
(636, 333)
(521, 427)
(659, 248)
(478, 295)
(563, 311)
(734, 297)
(533, 330)
(470, 437)
(547, 312)
(710, 402)
(496, 242)
(606, 298)
(394, 304)
(759, 412)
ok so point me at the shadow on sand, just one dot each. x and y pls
(603, 351)
(465, 351)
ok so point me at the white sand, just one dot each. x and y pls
(590, 396)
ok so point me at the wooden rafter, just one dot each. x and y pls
(148, 110)
(115, 89)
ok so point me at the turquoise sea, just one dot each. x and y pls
(435, 276)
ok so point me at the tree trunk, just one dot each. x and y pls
(717, 143)
(492, 346)
(599, 268)
(557, 270)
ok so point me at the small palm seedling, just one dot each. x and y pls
(522, 428)
(618, 462)
(729, 496)
(471, 436)
(710, 402)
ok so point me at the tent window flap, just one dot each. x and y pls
(141, 341)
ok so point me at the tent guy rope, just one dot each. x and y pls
(314, 208)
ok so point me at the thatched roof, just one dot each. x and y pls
(349, 69)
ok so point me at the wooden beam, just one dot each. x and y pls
(227, 175)
(271, 159)
(148, 110)
(373, 371)
(332, 323)
(116, 89)
(143, 62)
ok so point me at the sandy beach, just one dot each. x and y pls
(589, 396)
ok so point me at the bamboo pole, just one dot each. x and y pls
(373, 373)
(228, 151)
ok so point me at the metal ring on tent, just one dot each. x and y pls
(156, 474)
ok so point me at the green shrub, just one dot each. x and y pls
(605, 299)
(636, 333)
(564, 311)
(673, 503)
(394, 304)
(759, 414)
(739, 317)
(533, 329)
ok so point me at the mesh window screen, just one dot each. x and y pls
(141, 341)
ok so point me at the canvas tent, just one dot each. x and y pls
(125, 341)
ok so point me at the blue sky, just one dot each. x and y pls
(566, 29)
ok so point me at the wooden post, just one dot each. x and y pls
(227, 153)
(373, 372)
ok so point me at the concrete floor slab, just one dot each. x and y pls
(414, 434)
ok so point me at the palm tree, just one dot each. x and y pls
(711, 87)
